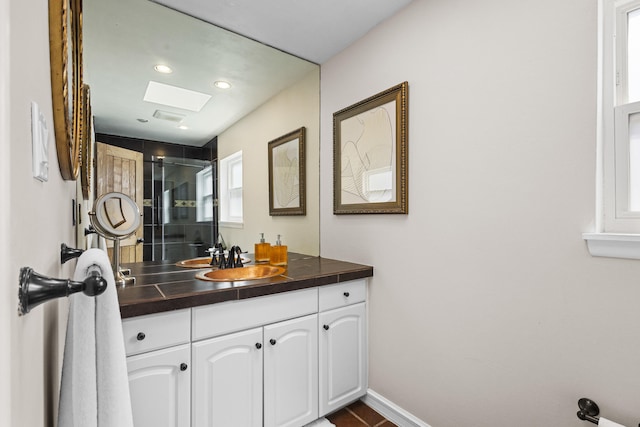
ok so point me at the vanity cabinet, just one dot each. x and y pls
(273, 359)
(342, 357)
(291, 372)
(281, 360)
(269, 372)
(342, 344)
(227, 380)
(159, 383)
(158, 363)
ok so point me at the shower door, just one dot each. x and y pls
(182, 219)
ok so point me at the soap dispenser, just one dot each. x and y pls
(278, 254)
(262, 250)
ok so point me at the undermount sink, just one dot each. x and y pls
(251, 272)
(204, 262)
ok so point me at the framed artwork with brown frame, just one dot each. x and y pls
(65, 46)
(370, 155)
(287, 192)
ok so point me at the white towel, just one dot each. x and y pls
(603, 422)
(97, 241)
(94, 390)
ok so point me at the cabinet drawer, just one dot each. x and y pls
(341, 294)
(232, 316)
(154, 331)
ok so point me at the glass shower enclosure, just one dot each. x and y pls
(181, 217)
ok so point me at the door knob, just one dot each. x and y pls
(183, 366)
(258, 345)
(140, 336)
(272, 341)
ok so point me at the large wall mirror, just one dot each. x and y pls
(271, 94)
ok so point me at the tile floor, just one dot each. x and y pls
(359, 415)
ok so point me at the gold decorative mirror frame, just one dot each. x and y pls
(65, 46)
(86, 147)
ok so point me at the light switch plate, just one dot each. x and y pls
(40, 143)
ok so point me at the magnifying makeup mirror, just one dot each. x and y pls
(115, 217)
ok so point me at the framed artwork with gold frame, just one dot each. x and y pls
(65, 46)
(370, 155)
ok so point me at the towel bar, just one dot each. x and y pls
(589, 410)
(35, 288)
(67, 253)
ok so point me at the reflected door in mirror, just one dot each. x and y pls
(120, 170)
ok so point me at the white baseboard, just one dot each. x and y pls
(391, 411)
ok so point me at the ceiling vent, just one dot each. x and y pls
(166, 115)
(175, 96)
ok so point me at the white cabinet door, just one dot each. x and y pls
(342, 356)
(291, 372)
(227, 380)
(160, 387)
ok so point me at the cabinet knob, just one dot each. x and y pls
(140, 336)
(272, 341)
(183, 366)
(258, 345)
(326, 327)
(346, 294)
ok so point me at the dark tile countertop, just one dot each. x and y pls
(163, 286)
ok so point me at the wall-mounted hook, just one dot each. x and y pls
(588, 410)
(35, 288)
(67, 253)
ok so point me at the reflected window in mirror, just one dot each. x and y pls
(204, 195)
(166, 206)
(231, 190)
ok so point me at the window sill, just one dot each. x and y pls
(230, 224)
(613, 245)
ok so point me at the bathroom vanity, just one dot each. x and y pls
(282, 351)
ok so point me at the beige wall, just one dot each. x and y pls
(40, 220)
(486, 308)
(291, 109)
(7, 294)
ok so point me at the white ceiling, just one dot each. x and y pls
(311, 29)
(124, 39)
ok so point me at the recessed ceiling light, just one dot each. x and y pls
(183, 127)
(164, 69)
(142, 120)
(221, 84)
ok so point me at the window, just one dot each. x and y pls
(231, 190)
(618, 214)
(620, 121)
(204, 194)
